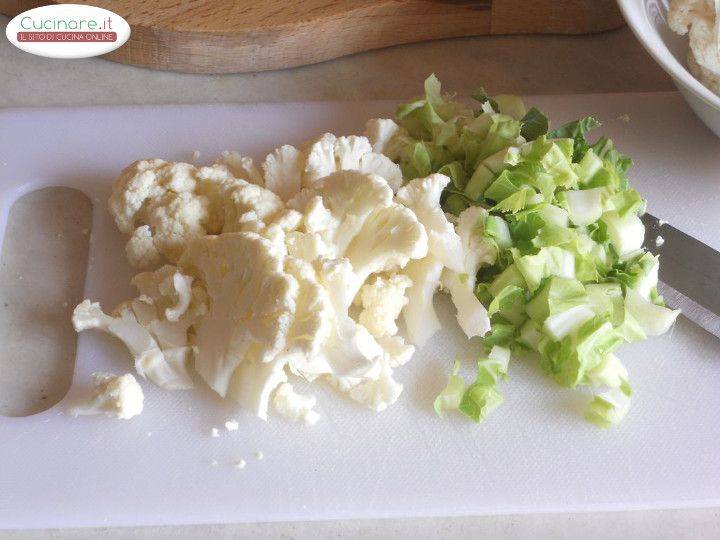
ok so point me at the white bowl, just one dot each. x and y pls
(648, 20)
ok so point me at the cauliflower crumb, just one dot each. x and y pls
(259, 455)
(240, 464)
(232, 425)
(119, 396)
(295, 407)
(214, 432)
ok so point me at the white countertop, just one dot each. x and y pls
(610, 62)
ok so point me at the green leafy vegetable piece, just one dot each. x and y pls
(481, 96)
(479, 400)
(456, 172)
(556, 295)
(497, 229)
(577, 131)
(501, 334)
(506, 298)
(451, 395)
(481, 397)
(608, 408)
(534, 124)
(510, 105)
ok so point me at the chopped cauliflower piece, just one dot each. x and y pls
(377, 393)
(306, 246)
(283, 170)
(168, 305)
(321, 160)
(398, 352)
(331, 154)
(119, 396)
(350, 349)
(249, 207)
(422, 196)
(312, 322)
(381, 165)
(390, 238)
(141, 250)
(349, 150)
(169, 372)
(701, 20)
(383, 135)
(252, 305)
(419, 314)
(240, 167)
(349, 197)
(163, 205)
(382, 300)
(295, 407)
(471, 314)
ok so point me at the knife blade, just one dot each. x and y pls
(689, 273)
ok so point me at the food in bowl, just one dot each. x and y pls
(700, 20)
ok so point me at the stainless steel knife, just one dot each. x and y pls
(689, 273)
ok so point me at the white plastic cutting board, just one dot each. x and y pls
(534, 454)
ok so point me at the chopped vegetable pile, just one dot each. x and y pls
(301, 269)
(570, 279)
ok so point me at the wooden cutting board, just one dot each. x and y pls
(226, 36)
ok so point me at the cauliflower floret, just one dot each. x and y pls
(349, 150)
(306, 246)
(174, 218)
(701, 19)
(240, 166)
(382, 300)
(330, 154)
(389, 238)
(170, 291)
(422, 196)
(471, 314)
(355, 217)
(283, 170)
(348, 199)
(311, 324)
(378, 392)
(252, 305)
(384, 135)
(350, 349)
(141, 250)
(119, 396)
(295, 407)
(397, 352)
(372, 163)
(163, 205)
(141, 181)
(421, 320)
(169, 372)
(683, 13)
(320, 161)
(248, 208)
(252, 384)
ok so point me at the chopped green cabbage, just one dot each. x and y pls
(571, 280)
